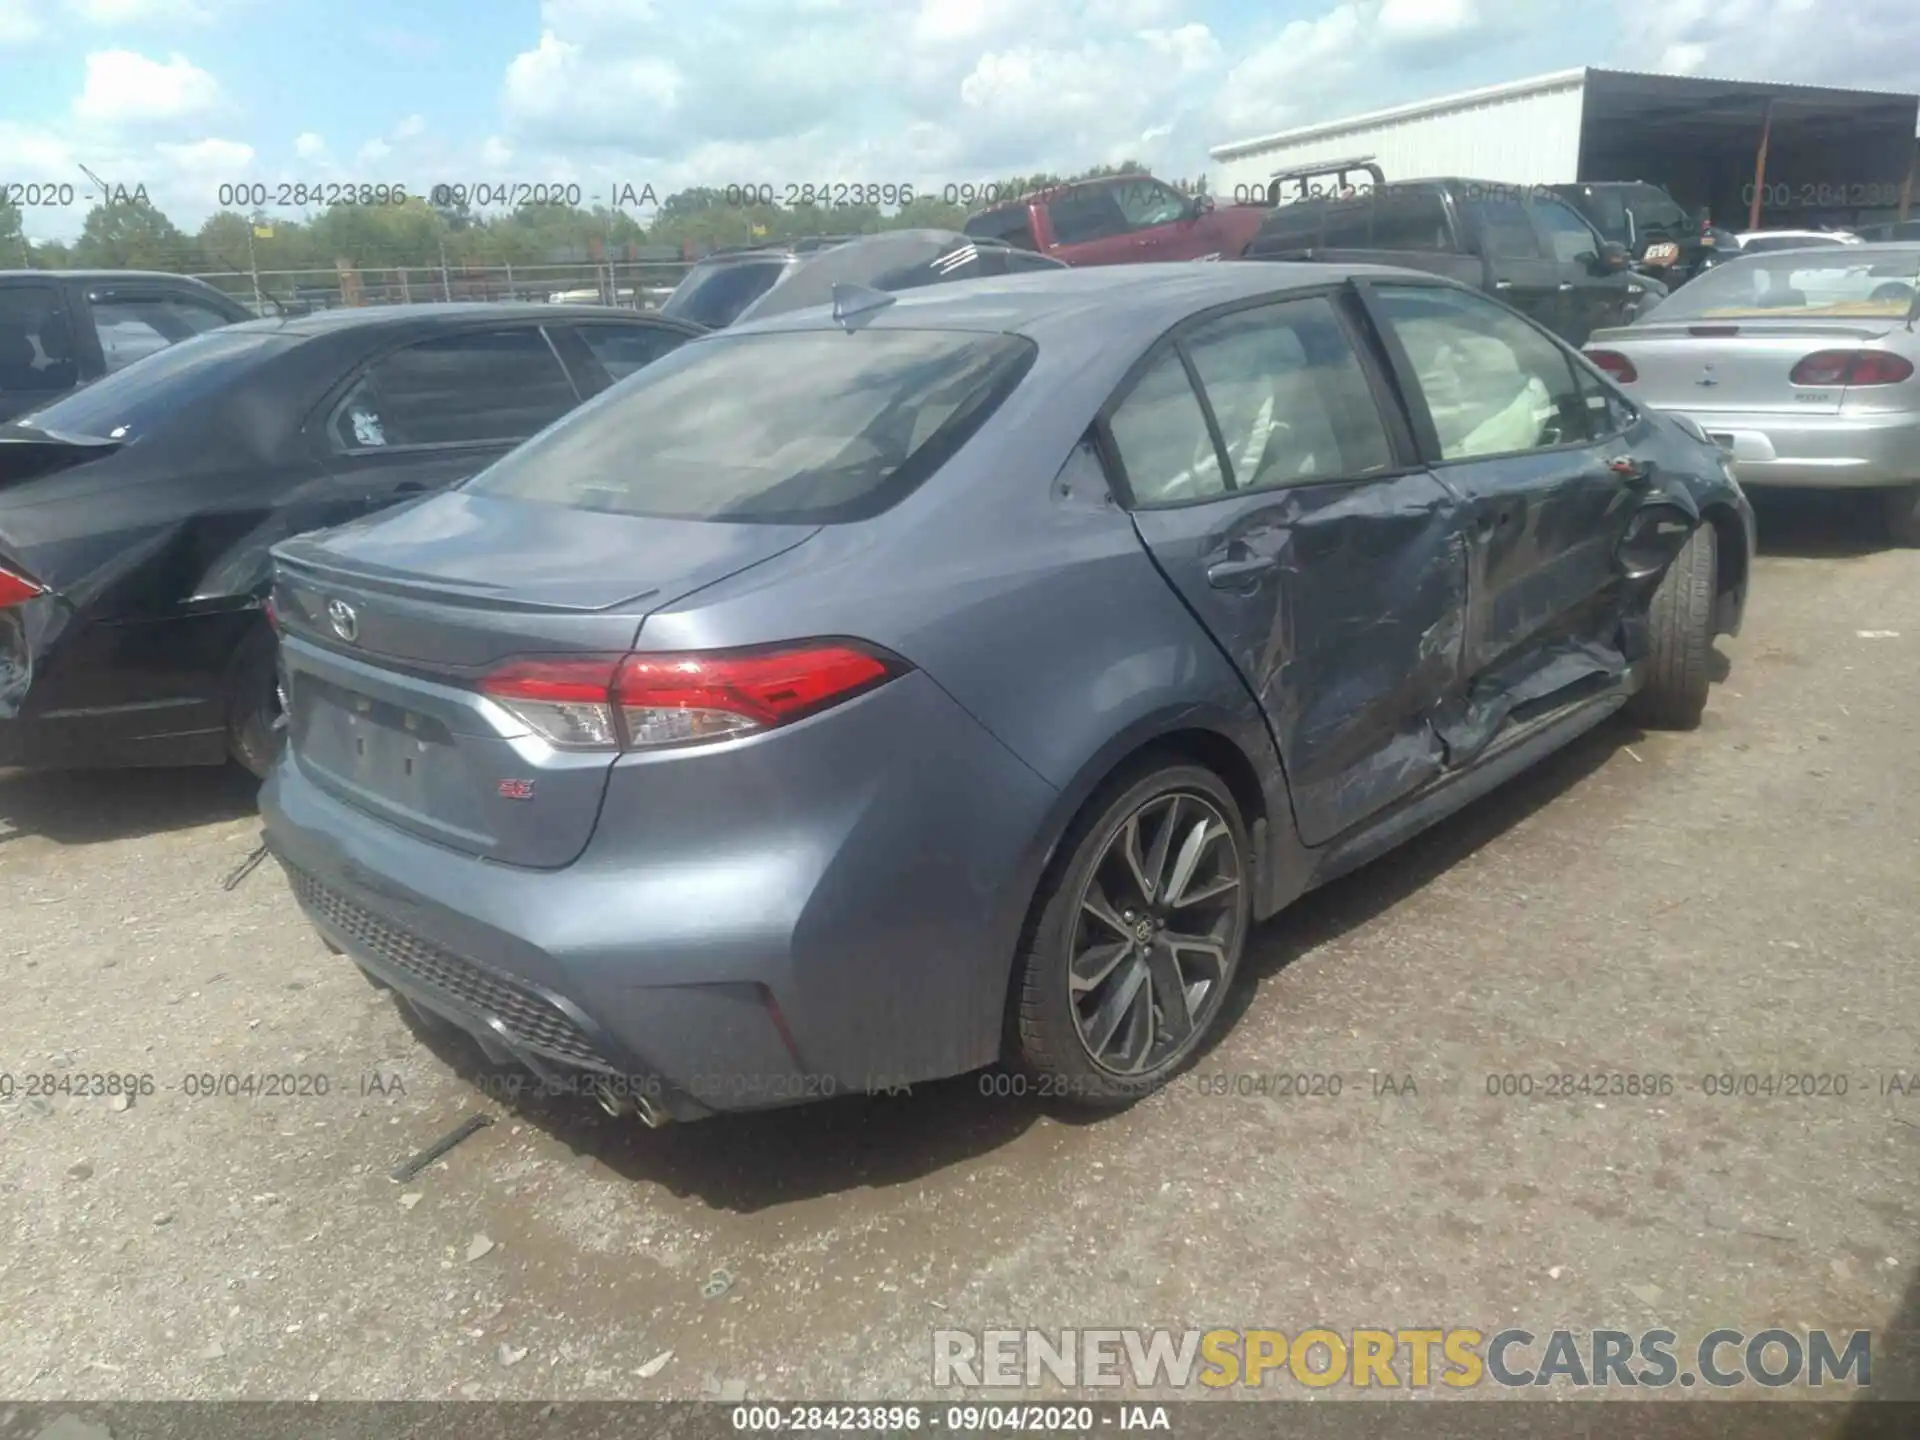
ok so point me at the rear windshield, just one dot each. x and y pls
(791, 427)
(714, 295)
(1846, 282)
(135, 401)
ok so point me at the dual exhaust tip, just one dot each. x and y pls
(621, 1105)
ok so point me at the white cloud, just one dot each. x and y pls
(20, 22)
(124, 87)
(309, 146)
(1868, 44)
(638, 93)
(139, 12)
(1423, 21)
(410, 128)
(374, 151)
(495, 152)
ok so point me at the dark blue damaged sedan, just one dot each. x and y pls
(953, 677)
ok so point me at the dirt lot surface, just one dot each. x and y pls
(1740, 899)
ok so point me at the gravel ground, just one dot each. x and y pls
(1737, 899)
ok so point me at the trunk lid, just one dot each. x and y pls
(388, 625)
(27, 453)
(1734, 366)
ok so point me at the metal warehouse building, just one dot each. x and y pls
(1756, 153)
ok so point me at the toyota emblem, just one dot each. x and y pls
(344, 620)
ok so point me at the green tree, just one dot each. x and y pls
(13, 238)
(131, 235)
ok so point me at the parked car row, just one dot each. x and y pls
(869, 690)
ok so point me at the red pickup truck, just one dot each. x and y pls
(1120, 220)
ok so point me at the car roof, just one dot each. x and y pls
(95, 275)
(428, 315)
(1106, 304)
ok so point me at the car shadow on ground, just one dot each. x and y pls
(1820, 524)
(746, 1163)
(84, 807)
(1322, 916)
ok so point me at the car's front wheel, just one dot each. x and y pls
(1680, 638)
(1903, 515)
(1137, 940)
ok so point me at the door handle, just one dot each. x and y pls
(1566, 285)
(1503, 284)
(1232, 574)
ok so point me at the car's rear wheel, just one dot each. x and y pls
(1680, 620)
(1137, 939)
(1903, 515)
(256, 716)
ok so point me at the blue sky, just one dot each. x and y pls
(181, 95)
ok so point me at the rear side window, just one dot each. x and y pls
(715, 295)
(805, 427)
(36, 343)
(163, 387)
(1349, 226)
(474, 388)
(1291, 227)
(1410, 220)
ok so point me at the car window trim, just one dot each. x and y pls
(331, 404)
(1426, 433)
(1406, 459)
(569, 333)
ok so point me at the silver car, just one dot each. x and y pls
(1800, 364)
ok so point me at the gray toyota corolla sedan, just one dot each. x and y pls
(878, 692)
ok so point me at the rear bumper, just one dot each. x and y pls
(827, 909)
(1821, 451)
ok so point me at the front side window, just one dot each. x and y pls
(1289, 396)
(1505, 232)
(623, 349)
(1013, 225)
(1564, 235)
(479, 387)
(1411, 220)
(1147, 203)
(1494, 383)
(788, 427)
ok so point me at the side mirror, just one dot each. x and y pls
(1612, 259)
(1201, 205)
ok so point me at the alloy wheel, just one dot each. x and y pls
(1154, 939)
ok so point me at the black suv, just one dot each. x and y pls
(60, 329)
(1644, 217)
(1520, 244)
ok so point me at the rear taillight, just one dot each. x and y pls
(1852, 367)
(1615, 364)
(644, 702)
(273, 615)
(16, 589)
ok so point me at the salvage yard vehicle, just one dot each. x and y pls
(1119, 220)
(136, 514)
(1521, 244)
(873, 693)
(1658, 231)
(60, 329)
(743, 286)
(1799, 362)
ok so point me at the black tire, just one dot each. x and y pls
(1902, 508)
(1046, 1041)
(1680, 621)
(255, 728)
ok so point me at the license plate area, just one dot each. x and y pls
(376, 746)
